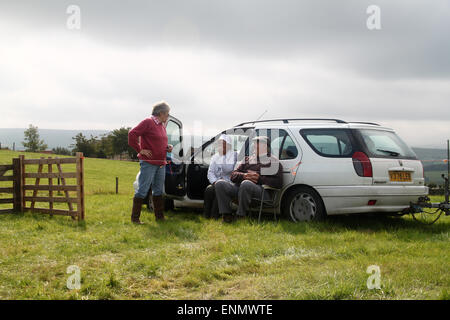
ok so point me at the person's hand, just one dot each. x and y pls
(146, 153)
(252, 176)
(255, 177)
(169, 148)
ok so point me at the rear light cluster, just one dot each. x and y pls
(362, 164)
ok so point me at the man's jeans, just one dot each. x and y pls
(151, 176)
(226, 191)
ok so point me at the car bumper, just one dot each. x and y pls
(355, 199)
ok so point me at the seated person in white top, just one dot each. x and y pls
(221, 166)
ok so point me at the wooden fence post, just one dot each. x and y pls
(17, 185)
(22, 181)
(50, 183)
(80, 186)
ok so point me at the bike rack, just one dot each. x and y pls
(424, 202)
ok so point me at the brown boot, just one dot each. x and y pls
(136, 212)
(227, 218)
(158, 207)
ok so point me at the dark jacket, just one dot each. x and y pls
(253, 163)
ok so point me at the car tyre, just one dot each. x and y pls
(303, 204)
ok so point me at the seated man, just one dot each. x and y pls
(246, 181)
(221, 166)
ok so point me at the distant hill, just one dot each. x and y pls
(52, 137)
(63, 138)
(430, 153)
(433, 169)
(59, 138)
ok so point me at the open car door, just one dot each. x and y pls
(175, 169)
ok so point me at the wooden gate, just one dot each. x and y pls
(13, 190)
(69, 189)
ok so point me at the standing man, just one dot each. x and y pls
(149, 139)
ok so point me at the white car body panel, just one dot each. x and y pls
(335, 179)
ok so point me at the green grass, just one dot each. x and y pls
(190, 257)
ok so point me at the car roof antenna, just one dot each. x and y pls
(261, 115)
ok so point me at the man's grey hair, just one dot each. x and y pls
(160, 107)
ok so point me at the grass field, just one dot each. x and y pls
(190, 257)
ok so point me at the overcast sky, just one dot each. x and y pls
(224, 62)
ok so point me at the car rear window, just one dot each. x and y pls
(385, 144)
(329, 142)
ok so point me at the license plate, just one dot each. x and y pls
(400, 176)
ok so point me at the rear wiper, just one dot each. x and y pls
(392, 153)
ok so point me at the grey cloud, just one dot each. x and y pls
(413, 41)
(398, 73)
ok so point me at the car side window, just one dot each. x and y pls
(329, 142)
(289, 149)
(276, 144)
(208, 153)
(282, 145)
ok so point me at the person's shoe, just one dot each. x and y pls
(227, 218)
(207, 212)
(206, 215)
(158, 207)
(136, 211)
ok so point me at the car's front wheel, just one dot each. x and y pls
(303, 204)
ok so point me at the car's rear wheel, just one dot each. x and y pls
(303, 204)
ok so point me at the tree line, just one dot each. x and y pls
(108, 145)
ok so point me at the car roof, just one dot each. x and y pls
(310, 123)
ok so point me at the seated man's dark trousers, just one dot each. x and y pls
(211, 209)
(245, 192)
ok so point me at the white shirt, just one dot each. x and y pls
(222, 166)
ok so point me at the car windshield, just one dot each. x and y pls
(381, 143)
